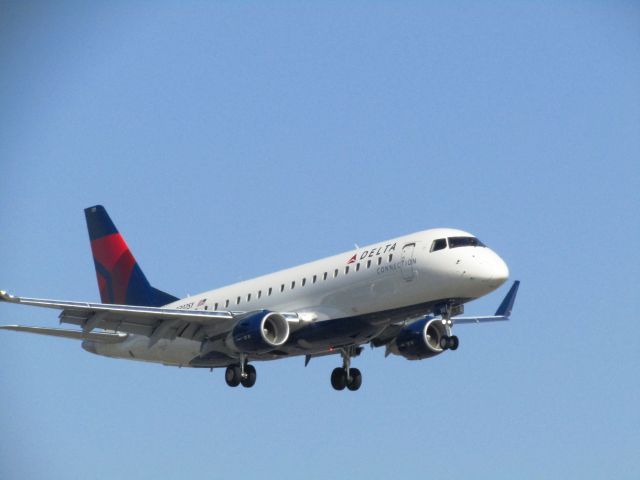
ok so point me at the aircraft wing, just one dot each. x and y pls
(503, 313)
(153, 322)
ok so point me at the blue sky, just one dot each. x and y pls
(229, 140)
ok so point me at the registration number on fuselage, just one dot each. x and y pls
(186, 306)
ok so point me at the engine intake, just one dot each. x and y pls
(420, 339)
(259, 332)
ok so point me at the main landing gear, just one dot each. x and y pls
(346, 376)
(244, 374)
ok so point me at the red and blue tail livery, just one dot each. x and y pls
(120, 278)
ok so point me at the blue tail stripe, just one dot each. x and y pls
(98, 222)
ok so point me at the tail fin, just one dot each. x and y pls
(120, 278)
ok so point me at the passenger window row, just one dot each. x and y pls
(314, 279)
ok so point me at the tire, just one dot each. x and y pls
(356, 379)
(251, 376)
(444, 343)
(338, 378)
(232, 375)
(454, 342)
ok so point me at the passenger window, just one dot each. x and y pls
(335, 273)
(215, 307)
(346, 269)
(238, 301)
(248, 297)
(439, 244)
(315, 277)
(304, 281)
(324, 277)
(206, 307)
(282, 288)
(226, 304)
(270, 290)
(390, 257)
(358, 267)
(293, 285)
(259, 293)
(379, 260)
(368, 263)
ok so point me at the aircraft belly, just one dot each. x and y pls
(330, 333)
(169, 352)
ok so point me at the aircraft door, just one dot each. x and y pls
(408, 261)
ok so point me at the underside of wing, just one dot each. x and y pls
(153, 322)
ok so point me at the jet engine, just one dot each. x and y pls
(259, 332)
(421, 339)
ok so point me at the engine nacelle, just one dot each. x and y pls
(259, 332)
(420, 339)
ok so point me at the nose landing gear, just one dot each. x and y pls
(450, 343)
(447, 311)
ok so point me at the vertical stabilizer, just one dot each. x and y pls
(120, 278)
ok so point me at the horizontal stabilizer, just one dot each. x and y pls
(103, 337)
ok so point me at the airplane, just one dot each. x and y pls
(403, 294)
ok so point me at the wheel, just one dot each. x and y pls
(338, 378)
(250, 376)
(444, 342)
(453, 342)
(232, 375)
(355, 379)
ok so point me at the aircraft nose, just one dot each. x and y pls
(500, 271)
(487, 270)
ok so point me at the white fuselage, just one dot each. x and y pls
(387, 276)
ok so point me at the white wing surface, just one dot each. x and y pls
(153, 322)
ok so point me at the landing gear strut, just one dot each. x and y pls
(244, 374)
(346, 376)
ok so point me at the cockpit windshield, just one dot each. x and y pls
(455, 242)
(438, 244)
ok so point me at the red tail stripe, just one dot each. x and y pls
(108, 250)
(120, 275)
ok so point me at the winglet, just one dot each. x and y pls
(5, 297)
(504, 310)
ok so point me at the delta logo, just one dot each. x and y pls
(390, 247)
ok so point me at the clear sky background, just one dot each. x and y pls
(229, 140)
